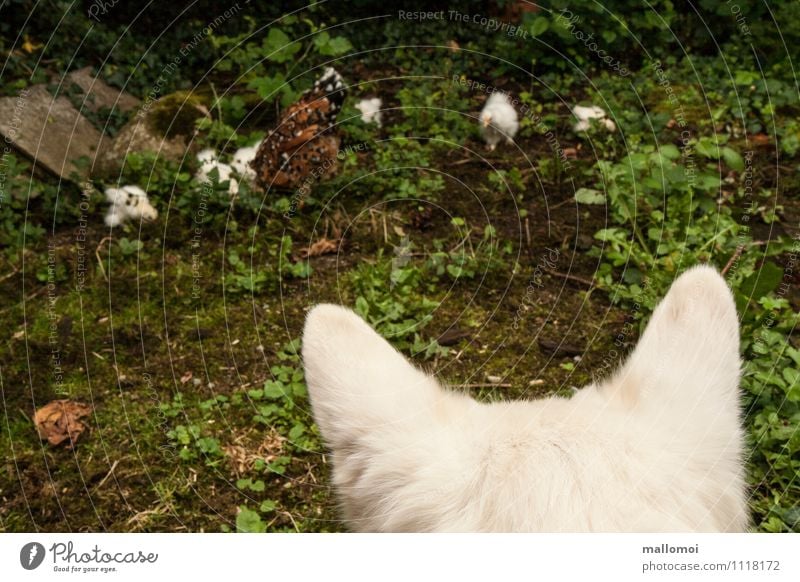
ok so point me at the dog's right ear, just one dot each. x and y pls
(357, 382)
(687, 361)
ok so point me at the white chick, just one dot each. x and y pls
(585, 115)
(208, 162)
(128, 202)
(498, 120)
(371, 110)
(241, 162)
(207, 155)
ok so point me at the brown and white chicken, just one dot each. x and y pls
(304, 146)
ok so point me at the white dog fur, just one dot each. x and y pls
(658, 447)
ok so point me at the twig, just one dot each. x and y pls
(462, 243)
(575, 278)
(25, 299)
(373, 224)
(562, 203)
(99, 260)
(738, 253)
(11, 274)
(484, 385)
(528, 232)
(255, 382)
(104, 479)
(294, 523)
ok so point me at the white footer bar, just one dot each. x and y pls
(355, 557)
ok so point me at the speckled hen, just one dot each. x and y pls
(304, 144)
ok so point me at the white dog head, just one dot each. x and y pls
(655, 448)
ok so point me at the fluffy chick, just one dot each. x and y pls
(371, 110)
(209, 161)
(241, 162)
(585, 115)
(498, 120)
(128, 203)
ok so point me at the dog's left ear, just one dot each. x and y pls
(688, 357)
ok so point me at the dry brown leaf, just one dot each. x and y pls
(186, 377)
(28, 46)
(243, 452)
(60, 421)
(760, 139)
(323, 246)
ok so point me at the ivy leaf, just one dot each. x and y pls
(268, 87)
(539, 26)
(609, 234)
(273, 390)
(338, 46)
(331, 47)
(733, 159)
(362, 307)
(707, 149)
(792, 378)
(248, 521)
(762, 282)
(296, 432)
(277, 47)
(257, 486)
(268, 506)
(708, 182)
(589, 196)
(670, 151)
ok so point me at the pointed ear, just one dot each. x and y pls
(357, 381)
(688, 357)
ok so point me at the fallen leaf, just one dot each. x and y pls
(59, 421)
(29, 46)
(452, 336)
(323, 246)
(570, 153)
(186, 377)
(559, 348)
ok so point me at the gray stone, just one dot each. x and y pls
(98, 95)
(138, 135)
(51, 131)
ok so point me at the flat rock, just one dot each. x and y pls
(49, 130)
(138, 135)
(98, 95)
